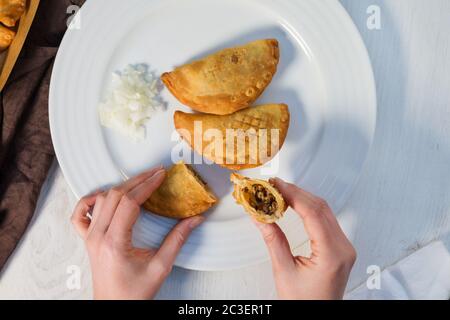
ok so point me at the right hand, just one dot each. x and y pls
(325, 273)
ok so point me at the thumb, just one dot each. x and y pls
(175, 240)
(277, 244)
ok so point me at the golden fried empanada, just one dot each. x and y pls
(245, 139)
(259, 198)
(227, 81)
(6, 38)
(11, 11)
(182, 194)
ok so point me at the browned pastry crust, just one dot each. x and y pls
(248, 123)
(182, 194)
(6, 38)
(11, 11)
(259, 198)
(227, 81)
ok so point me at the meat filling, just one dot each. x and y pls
(196, 175)
(261, 199)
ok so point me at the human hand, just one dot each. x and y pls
(322, 276)
(119, 270)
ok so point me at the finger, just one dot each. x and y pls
(174, 241)
(144, 190)
(137, 180)
(128, 209)
(97, 211)
(277, 244)
(313, 210)
(103, 216)
(79, 216)
(104, 213)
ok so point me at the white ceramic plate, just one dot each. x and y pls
(324, 76)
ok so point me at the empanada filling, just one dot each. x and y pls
(202, 182)
(261, 199)
(196, 175)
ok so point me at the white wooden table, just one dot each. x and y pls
(402, 201)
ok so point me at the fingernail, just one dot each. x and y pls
(258, 224)
(157, 167)
(96, 192)
(279, 182)
(274, 181)
(196, 221)
(157, 175)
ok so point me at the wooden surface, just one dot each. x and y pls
(24, 24)
(401, 203)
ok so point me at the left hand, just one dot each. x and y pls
(119, 270)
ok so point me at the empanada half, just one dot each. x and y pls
(6, 38)
(11, 11)
(259, 198)
(182, 194)
(245, 139)
(227, 81)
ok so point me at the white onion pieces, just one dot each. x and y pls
(131, 101)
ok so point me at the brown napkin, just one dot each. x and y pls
(26, 151)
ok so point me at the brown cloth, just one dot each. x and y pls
(26, 151)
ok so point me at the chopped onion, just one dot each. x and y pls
(131, 101)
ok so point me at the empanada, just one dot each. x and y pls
(6, 38)
(245, 139)
(11, 11)
(183, 194)
(259, 198)
(227, 81)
